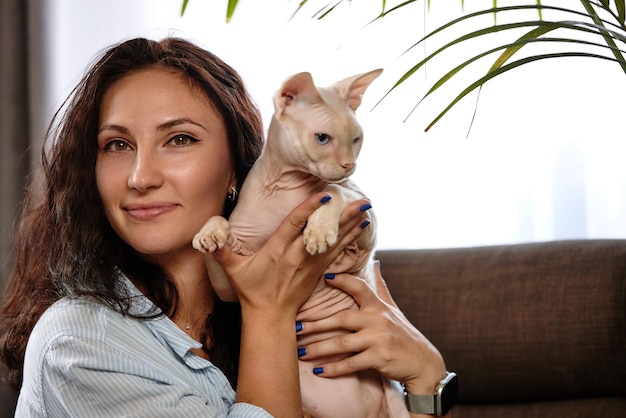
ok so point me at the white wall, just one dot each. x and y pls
(543, 160)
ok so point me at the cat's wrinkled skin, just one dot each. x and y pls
(313, 143)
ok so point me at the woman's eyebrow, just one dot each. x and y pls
(174, 122)
(113, 127)
(162, 127)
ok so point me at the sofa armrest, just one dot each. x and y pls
(520, 323)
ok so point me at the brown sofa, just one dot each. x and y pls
(533, 330)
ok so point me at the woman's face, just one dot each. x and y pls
(163, 165)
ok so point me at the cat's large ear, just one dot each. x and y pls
(351, 89)
(299, 86)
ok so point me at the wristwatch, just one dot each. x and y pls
(437, 404)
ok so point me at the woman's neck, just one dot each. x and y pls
(196, 297)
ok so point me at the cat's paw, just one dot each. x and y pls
(318, 237)
(213, 236)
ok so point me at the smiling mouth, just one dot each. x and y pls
(148, 212)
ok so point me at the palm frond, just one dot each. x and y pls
(543, 27)
(621, 11)
(230, 9)
(606, 34)
(593, 25)
(509, 67)
(519, 43)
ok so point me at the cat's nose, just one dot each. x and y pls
(347, 166)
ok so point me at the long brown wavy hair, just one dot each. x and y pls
(65, 246)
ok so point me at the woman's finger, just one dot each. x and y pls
(359, 205)
(356, 287)
(226, 257)
(349, 365)
(362, 294)
(338, 321)
(365, 349)
(295, 222)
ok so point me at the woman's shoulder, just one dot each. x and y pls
(86, 323)
(79, 332)
(58, 338)
(67, 317)
(73, 316)
(80, 319)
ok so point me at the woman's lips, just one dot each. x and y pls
(146, 212)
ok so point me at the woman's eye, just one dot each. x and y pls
(182, 140)
(116, 145)
(322, 139)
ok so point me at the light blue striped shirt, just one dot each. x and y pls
(84, 359)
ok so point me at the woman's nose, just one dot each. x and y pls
(146, 172)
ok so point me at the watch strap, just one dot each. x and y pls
(438, 403)
(421, 404)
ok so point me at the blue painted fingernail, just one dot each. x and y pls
(365, 223)
(298, 326)
(318, 370)
(365, 207)
(301, 351)
(325, 199)
(329, 276)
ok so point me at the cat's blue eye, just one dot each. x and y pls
(322, 139)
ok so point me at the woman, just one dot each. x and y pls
(114, 302)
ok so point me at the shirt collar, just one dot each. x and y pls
(160, 324)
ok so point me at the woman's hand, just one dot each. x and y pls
(282, 275)
(381, 338)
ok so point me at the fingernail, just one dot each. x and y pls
(325, 199)
(329, 276)
(365, 223)
(365, 207)
(298, 326)
(301, 351)
(318, 370)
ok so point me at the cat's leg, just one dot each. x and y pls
(213, 236)
(322, 227)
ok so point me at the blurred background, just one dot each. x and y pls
(538, 156)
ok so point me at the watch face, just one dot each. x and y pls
(449, 393)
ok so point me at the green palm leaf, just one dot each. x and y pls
(543, 27)
(606, 34)
(609, 32)
(516, 44)
(230, 9)
(509, 67)
(621, 10)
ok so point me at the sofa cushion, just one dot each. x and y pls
(520, 323)
(589, 407)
